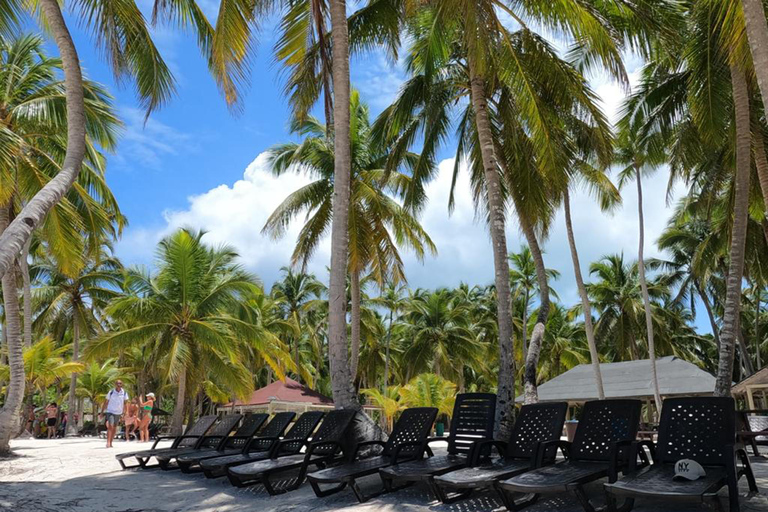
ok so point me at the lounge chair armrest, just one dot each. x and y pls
(315, 444)
(364, 444)
(250, 443)
(628, 446)
(417, 444)
(478, 446)
(274, 451)
(164, 438)
(565, 448)
(651, 448)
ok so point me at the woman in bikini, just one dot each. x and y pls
(131, 418)
(146, 418)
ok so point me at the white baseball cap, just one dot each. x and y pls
(150, 395)
(689, 470)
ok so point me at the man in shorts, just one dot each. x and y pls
(114, 405)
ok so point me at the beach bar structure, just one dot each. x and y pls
(628, 379)
(282, 396)
(754, 390)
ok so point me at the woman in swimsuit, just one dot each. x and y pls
(131, 418)
(146, 418)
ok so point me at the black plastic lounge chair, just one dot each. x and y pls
(472, 422)
(407, 441)
(189, 439)
(232, 446)
(600, 448)
(212, 440)
(326, 447)
(260, 447)
(535, 424)
(702, 429)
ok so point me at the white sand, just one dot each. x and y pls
(81, 475)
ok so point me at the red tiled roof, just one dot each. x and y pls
(285, 391)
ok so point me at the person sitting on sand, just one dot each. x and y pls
(131, 418)
(146, 418)
(51, 412)
(114, 405)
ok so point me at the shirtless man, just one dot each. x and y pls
(51, 413)
(131, 418)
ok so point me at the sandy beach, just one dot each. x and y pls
(81, 475)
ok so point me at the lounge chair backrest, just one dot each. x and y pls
(273, 429)
(414, 425)
(196, 431)
(536, 423)
(221, 429)
(473, 415)
(602, 423)
(300, 431)
(334, 428)
(250, 425)
(697, 428)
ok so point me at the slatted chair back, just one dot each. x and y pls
(413, 426)
(300, 431)
(536, 423)
(602, 423)
(334, 427)
(220, 430)
(196, 431)
(472, 420)
(272, 430)
(250, 425)
(697, 428)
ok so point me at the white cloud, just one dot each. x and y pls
(149, 143)
(235, 215)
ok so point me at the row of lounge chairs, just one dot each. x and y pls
(524, 467)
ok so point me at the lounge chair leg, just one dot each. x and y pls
(508, 499)
(320, 493)
(447, 497)
(747, 471)
(584, 499)
(358, 492)
(610, 501)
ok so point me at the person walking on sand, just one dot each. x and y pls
(131, 418)
(114, 405)
(146, 416)
(51, 413)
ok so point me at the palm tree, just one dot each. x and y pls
(429, 390)
(440, 338)
(295, 293)
(374, 215)
(393, 301)
(186, 314)
(95, 381)
(386, 401)
(638, 156)
(69, 305)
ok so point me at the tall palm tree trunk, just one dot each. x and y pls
(24, 267)
(177, 417)
(15, 236)
(355, 327)
(341, 378)
(530, 393)
(710, 314)
(761, 163)
(757, 35)
(386, 354)
(14, 397)
(72, 402)
(757, 328)
(585, 305)
(644, 290)
(505, 400)
(524, 336)
(729, 333)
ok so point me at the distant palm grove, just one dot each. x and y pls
(503, 85)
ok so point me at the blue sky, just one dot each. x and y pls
(196, 164)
